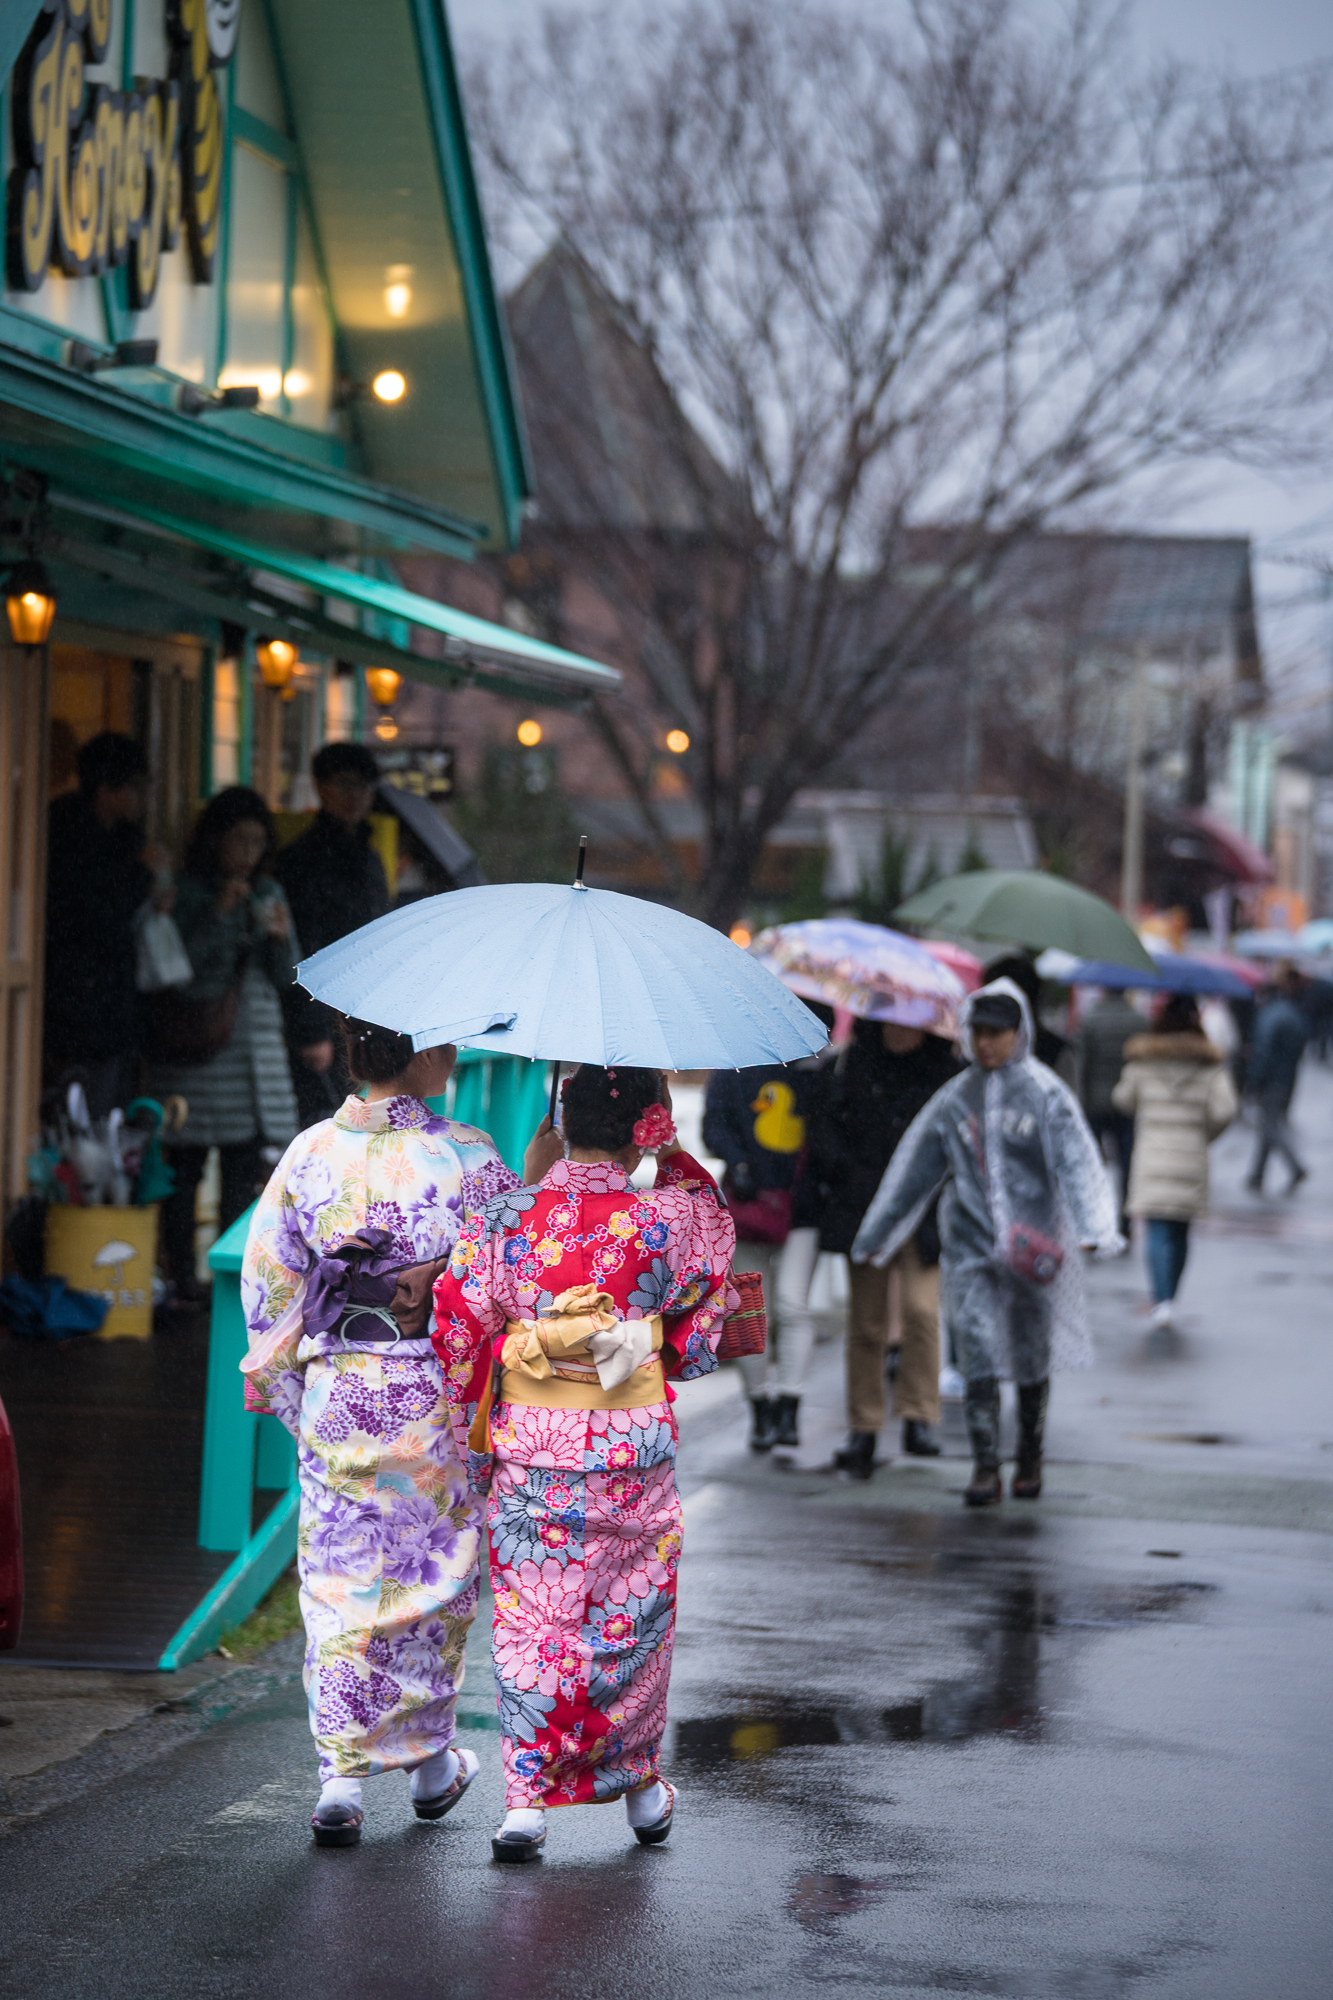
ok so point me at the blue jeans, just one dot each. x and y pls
(1168, 1247)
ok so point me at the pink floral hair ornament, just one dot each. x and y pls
(654, 1130)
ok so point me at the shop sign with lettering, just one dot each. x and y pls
(105, 177)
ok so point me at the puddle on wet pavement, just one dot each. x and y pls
(813, 1899)
(1001, 1698)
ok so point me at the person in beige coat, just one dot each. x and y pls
(1177, 1088)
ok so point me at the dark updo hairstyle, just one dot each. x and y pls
(372, 1054)
(1179, 1015)
(601, 1107)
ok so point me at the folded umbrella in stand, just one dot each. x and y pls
(875, 973)
(566, 975)
(1029, 908)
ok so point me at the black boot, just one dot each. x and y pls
(1032, 1399)
(763, 1428)
(857, 1457)
(983, 1428)
(786, 1431)
(917, 1441)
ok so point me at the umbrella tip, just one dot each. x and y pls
(579, 882)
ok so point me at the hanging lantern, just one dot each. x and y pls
(384, 684)
(277, 661)
(30, 603)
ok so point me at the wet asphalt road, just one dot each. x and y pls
(1079, 1749)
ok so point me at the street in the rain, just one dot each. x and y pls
(1078, 1748)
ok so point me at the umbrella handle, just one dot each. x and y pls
(555, 1085)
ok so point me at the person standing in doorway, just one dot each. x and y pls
(888, 1073)
(1177, 1088)
(1280, 1033)
(98, 878)
(334, 882)
(219, 1041)
(1099, 1048)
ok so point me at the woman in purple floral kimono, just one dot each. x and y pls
(358, 1220)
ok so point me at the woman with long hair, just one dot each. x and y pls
(349, 1235)
(566, 1308)
(219, 1041)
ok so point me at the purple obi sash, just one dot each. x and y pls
(364, 1291)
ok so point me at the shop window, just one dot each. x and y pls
(227, 724)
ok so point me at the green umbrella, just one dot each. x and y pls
(1028, 908)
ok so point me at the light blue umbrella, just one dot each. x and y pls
(567, 975)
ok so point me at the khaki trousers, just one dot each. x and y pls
(908, 1292)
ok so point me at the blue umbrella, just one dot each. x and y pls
(565, 974)
(1174, 974)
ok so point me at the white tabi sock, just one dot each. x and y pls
(434, 1776)
(529, 1821)
(646, 1807)
(342, 1792)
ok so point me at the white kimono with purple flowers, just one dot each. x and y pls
(389, 1532)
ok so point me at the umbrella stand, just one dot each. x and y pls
(578, 884)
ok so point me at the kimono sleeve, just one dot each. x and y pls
(468, 1316)
(1079, 1170)
(273, 1278)
(700, 1244)
(914, 1176)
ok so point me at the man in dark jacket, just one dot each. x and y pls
(1099, 1047)
(97, 879)
(889, 1073)
(334, 883)
(1280, 1031)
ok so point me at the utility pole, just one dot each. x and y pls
(1131, 869)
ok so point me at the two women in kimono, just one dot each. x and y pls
(357, 1222)
(1024, 1187)
(557, 1319)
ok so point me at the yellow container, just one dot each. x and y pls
(109, 1251)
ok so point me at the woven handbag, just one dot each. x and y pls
(745, 1331)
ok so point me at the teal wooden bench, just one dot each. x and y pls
(243, 1453)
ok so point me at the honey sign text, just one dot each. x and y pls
(105, 177)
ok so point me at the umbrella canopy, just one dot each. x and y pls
(1316, 936)
(567, 975)
(1028, 908)
(1250, 976)
(1265, 944)
(1174, 973)
(876, 974)
(964, 963)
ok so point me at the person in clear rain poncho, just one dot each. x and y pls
(1023, 1187)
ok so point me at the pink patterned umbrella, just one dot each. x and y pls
(875, 973)
(962, 962)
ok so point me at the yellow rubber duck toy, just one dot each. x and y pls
(777, 1127)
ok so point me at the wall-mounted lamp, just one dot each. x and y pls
(384, 684)
(277, 661)
(30, 603)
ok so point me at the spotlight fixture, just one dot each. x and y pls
(30, 603)
(277, 661)
(192, 402)
(89, 360)
(389, 386)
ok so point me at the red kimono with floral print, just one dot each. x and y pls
(584, 1514)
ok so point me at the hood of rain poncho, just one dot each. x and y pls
(1027, 1033)
(1023, 1186)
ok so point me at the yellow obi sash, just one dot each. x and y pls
(547, 1362)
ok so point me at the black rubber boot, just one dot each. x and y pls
(786, 1432)
(917, 1441)
(857, 1457)
(763, 1427)
(1032, 1400)
(983, 1428)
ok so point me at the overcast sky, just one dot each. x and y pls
(1283, 516)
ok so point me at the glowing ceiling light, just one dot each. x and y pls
(389, 385)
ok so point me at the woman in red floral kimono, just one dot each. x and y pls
(566, 1307)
